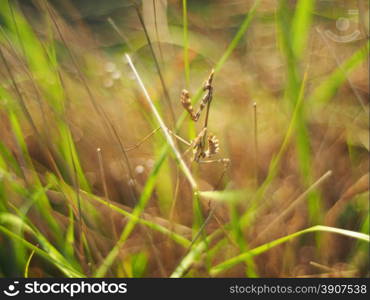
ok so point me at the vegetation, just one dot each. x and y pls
(103, 171)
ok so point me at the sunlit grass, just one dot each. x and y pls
(166, 217)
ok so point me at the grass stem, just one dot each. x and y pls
(164, 128)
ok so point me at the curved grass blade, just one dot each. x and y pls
(265, 247)
(28, 264)
(193, 255)
(152, 225)
(51, 254)
(329, 86)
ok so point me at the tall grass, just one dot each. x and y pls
(66, 210)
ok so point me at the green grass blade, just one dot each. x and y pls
(50, 252)
(275, 162)
(65, 268)
(189, 259)
(329, 86)
(290, 37)
(186, 42)
(238, 36)
(227, 196)
(193, 255)
(265, 247)
(69, 236)
(28, 264)
(301, 24)
(134, 219)
(151, 225)
(43, 202)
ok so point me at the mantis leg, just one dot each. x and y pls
(137, 145)
(180, 138)
(224, 161)
(144, 139)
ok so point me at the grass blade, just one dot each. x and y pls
(301, 24)
(152, 225)
(193, 255)
(329, 86)
(50, 253)
(28, 264)
(164, 128)
(265, 247)
(186, 42)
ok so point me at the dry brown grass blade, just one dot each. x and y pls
(360, 186)
(270, 228)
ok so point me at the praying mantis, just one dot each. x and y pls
(205, 145)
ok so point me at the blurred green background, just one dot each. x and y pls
(83, 193)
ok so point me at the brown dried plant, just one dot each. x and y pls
(205, 145)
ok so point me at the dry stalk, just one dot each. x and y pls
(164, 128)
